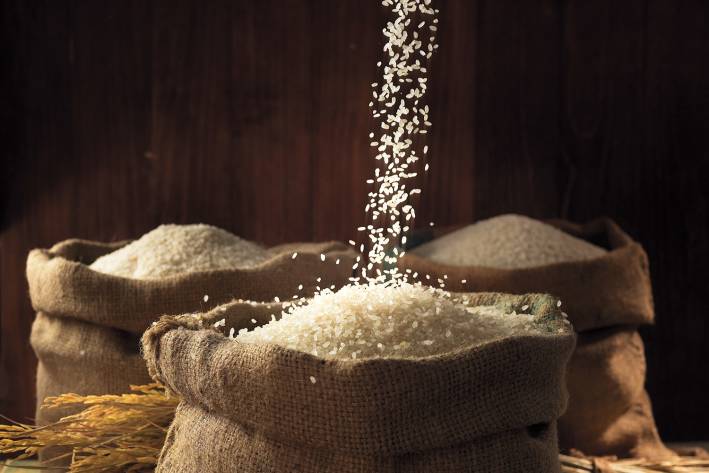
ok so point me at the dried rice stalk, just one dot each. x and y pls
(571, 464)
(113, 433)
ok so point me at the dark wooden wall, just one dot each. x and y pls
(252, 115)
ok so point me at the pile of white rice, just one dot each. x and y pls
(510, 242)
(378, 321)
(177, 249)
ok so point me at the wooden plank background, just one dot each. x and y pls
(252, 115)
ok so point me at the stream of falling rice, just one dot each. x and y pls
(399, 109)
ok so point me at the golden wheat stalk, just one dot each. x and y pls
(112, 433)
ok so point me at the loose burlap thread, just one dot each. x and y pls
(606, 299)
(253, 408)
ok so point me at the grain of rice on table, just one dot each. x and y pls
(508, 242)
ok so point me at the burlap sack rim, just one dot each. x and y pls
(543, 307)
(59, 267)
(545, 310)
(621, 248)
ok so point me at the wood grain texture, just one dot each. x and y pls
(253, 116)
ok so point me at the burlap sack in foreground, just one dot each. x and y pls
(252, 407)
(88, 325)
(606, 298)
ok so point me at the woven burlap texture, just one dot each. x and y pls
(253, 408)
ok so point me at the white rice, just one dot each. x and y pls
(177, 249)
(509, 242)
(399, 108)
(383, 321)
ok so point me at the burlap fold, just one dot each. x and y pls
(606, 298)
(88, 325)
(253, 407)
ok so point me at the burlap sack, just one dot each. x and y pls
(88, 324)
(608, 367)
(609, 410)
(252, 408)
